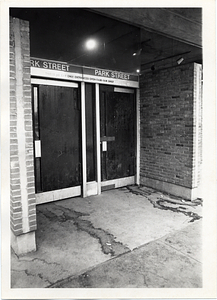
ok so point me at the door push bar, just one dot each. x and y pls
(107, 138)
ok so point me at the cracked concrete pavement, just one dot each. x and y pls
(130, 237)
(173, 261)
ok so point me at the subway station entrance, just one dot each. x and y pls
(85, 130)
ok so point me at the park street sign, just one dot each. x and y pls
(62, 70)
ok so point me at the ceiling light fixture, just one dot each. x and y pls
(91, 44)
(180, 60)
(138, 52)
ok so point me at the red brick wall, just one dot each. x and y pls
(169, 121)
(23, 203)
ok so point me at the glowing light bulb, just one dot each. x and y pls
(91, 44)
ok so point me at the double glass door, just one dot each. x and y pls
(65, 138)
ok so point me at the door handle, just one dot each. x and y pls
(104, 140)
(104, 146)
(38, 148)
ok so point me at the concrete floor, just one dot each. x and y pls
(129, 237)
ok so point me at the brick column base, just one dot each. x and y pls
(23, 243)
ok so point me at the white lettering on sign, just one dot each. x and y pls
(112, 74)
(49, 65)
(120, 75)
(55, 66)
(102, 73)
(35, 63)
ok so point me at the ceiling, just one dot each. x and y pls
(160, 51)
(60, 34)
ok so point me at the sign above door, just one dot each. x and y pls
(62, 70)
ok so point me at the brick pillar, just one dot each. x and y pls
(23, 202)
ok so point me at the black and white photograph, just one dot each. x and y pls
(108, 123)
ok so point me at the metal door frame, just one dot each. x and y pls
(120, 182)
(54, 195)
